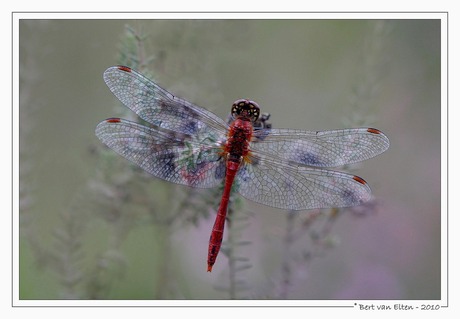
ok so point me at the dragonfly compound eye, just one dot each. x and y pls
(246, 109)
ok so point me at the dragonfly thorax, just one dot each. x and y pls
(245, 109)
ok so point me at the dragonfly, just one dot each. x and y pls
(186, 144)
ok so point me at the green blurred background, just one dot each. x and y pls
(92, 226)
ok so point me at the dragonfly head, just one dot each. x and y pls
(245, 109)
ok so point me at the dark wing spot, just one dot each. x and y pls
(243, 173)
(113, 120)
(124, 68)
(374, 130)
(351, 198)
(191, 127)
(359, 180)
(166, 162)
(308, 158)
(220, 171)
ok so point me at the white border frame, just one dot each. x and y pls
(16, 302)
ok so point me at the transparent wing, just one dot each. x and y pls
(323, 148)
(157, 106)
(273, 183)
(165, 154)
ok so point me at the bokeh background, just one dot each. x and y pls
(94, 227)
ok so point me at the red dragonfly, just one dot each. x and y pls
(188, 145)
